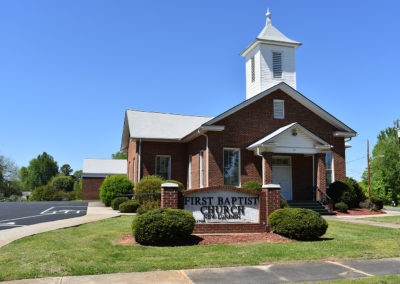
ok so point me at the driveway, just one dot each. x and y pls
(19, 214)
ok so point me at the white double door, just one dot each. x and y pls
(282, 175)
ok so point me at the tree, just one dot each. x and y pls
(63, 183)
(9, 183)
(66, 169)
(385, 167)
(120, 156)
(39, 172)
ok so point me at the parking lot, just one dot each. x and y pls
(18, 214)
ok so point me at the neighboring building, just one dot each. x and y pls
(276, 135)
(95, 171)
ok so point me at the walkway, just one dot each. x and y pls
(359, 219)
(271, 273)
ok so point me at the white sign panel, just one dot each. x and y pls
(223, 206)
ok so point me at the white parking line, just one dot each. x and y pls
(350, 268)
(41, 214)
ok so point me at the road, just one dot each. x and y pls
(17, 214)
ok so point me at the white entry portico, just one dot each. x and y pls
(280, 147)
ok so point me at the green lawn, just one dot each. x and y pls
(387, 279)
(91, 249)
(386, 219)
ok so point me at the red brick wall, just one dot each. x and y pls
(132, 160)
(179, 158)
(91, 188)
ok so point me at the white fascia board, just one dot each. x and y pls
(202, 129)
(344, 134)
(212, 128)
(296, 96)
(347, 145)
(258, 41)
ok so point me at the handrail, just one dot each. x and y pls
(326, 199)
(137, 194)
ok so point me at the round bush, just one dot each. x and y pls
(118, 201)
(376, 204)
(129, 206)
(357, 189)
(341, 207)
(113, 186)
(298, 223)
(163, 227)
(149, 184)
(252, 185)
(46, 193)
(341, 191)
(148, 206)
(64, 183)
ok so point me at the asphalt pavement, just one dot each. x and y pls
(18, 214)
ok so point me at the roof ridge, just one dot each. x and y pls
(169, 113)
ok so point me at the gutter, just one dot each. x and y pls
(139, 158)
(263, 164)
(203, 134)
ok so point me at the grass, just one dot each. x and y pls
(91, 249)
(385, 219)
(387, 279)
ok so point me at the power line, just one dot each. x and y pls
(356, 159)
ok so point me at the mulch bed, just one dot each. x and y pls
(359, 211)
(232, 239)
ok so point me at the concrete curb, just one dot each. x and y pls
(93, 214)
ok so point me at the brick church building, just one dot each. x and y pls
(277, 135)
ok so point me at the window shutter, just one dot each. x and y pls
(277, 64)
(279, 109)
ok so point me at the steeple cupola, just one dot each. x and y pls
(270, 59)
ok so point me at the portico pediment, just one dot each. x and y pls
(291, 139)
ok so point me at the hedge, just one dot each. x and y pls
(298, 223)
(129, 206)
(113, 186)
(252, 185)
(117, 201)
(163, 227)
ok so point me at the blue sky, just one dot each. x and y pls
(69, 69)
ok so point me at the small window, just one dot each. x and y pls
(328, 169)
(253, 69)
(232, 167)
(280, 161)
(277, 64)
(163, 167)
(279, 109)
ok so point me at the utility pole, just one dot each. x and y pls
(369, 178)
(396, 125)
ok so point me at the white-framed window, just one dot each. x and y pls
(277, 64)
(279, 109)
(329, 169)
(253, 69)
(163, 166)
(232, 166)
(190, 172)
(201, 167)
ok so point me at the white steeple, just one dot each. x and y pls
(269, 60)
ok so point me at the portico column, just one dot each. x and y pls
(267, 168)
(321, 179)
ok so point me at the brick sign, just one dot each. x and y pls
(223, 206)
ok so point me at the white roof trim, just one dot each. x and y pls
(344, 134)
(295, 95)
(264, 142)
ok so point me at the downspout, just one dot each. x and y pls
(263, 164)
(139, 158)
(199, 131)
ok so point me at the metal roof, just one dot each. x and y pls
(103, 167)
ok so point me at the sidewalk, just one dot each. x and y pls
(271, 273)
(358, 219)
(95, 212)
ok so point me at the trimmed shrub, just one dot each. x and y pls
(118, 201)
(149, 184)
(113, 186)
(63, 183)
(148, 206)
(298, 223)
(181, 187)
(163, 227)
(129, 206)
(252, 185)
(341, 207)
(357, 189)
(377, 204)
(341, 191)
(284, 203)
(46, 193)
